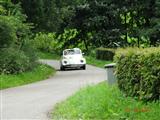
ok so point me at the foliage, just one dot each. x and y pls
(99, 23)
(96, 21)
(138, 72)
(43, 41)
(14, 61)
(67, 39)
(152, 28)
(105, 53)
(41, 72)
(16, 52)
(48, 15)
(2, 10)
(103, 102)
(138, 24)
(53, 42)
(117, 24)
(7, 33)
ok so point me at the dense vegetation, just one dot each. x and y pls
(103, 23)
(138, 72)
(105, 53)
(90, 24)
(102, 102)
(16, 52)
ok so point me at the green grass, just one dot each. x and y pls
(46, 55)
(102, 102)
(99, 63)
(41, 72)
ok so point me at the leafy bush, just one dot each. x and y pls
(7, 35)
(105, 53)
(67, 38)
(43, 41)
(52, 42)
(31, 53)
(138, 72)
(16, 53)
(15, 61)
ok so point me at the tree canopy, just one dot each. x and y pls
(99, 23)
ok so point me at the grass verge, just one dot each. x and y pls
(99, 63)
(41, 72)
(102, 102)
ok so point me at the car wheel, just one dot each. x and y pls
(62, 68)
(84, 67)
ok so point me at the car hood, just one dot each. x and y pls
(75, 57)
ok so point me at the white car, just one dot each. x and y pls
(72, 58)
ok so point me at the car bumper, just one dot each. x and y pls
(73, 65)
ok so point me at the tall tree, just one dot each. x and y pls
(48, 15)
(152, 28)
(98, 23)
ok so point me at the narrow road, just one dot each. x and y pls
(35, 101)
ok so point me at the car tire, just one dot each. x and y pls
(62, 68)
(84, 67)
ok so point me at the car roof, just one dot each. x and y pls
(72, 49)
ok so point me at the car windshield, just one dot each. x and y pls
(72, 52)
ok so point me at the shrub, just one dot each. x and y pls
(105, 53)
(138, 72)
(52, 42)
(44, 41)
(15, 61)
(7, 33)
(30, 52)
(16, 55)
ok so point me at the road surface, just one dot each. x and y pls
(35, 101)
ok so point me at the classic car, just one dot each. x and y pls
(72, 58)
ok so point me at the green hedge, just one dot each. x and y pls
(105, 53)
(138, 72)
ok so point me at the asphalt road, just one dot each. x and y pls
(35, 101)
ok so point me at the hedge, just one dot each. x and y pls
(105, 53)
(138, 72)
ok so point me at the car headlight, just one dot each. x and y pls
(65, 62)
(82, 61)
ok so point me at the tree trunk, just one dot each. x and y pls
(126, 34)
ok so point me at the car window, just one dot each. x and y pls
(77, 51)
(65, 52)
(72, 52)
